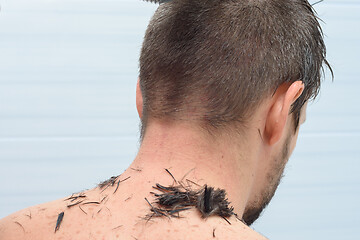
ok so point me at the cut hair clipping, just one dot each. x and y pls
(317, 2)
(157, 1)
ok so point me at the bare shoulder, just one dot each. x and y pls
(191, 226)
(77, 215)
(33, 222)
(237, 230)
(89, 215)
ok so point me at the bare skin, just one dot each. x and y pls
(108, 220)
(228, 161)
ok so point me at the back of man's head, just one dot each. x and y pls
(214, 61)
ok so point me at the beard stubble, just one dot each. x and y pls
(253, 210)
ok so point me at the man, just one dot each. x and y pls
(222, 92)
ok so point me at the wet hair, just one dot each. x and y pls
(214, 61)
(172, 200)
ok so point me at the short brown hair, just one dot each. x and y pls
(214, 61)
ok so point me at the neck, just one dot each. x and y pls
(189, 154)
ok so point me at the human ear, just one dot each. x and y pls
(279, 109)
(139, 99)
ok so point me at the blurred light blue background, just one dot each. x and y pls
(68, 70)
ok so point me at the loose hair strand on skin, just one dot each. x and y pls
(157, 1)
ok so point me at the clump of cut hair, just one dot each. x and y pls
(214, 61)
(174, 199)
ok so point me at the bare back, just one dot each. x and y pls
(117, 210)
